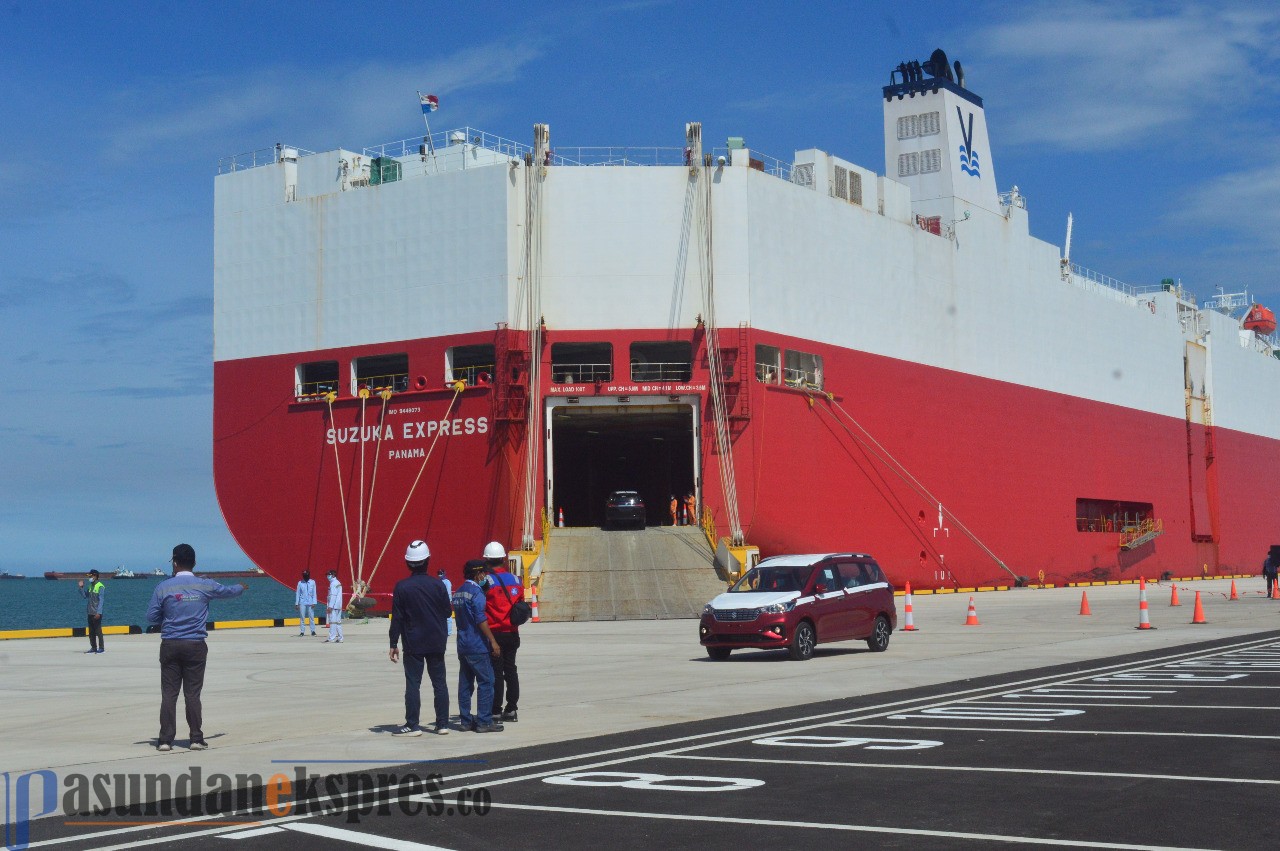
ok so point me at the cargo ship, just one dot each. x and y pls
(460, 338)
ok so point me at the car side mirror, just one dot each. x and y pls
(820, 588)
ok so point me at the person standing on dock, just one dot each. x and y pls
(502, 592)
(95, 596)
(305, 599)
(180, 608)
(333, 609)
(1270, 569)
(448, 589)
(475, 646)
(419, 609)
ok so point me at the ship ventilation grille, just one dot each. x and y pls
(841, 189)
(930, 161)
(802, 175)
(847, 185)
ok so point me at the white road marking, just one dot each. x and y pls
(853, 828)
(981, 768)
(355, 837)
(252, 834)
(1249, 736)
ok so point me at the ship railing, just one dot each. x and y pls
(1013, 198)
(260, 157)
(661, 371)
(624, 156)
(810, 378)
(397, 382)
(1105, 284)
(760, 162)
(573, 373)
(315, 388)
(473, 375)
(447, 138)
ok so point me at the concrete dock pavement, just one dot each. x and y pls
(273, 700)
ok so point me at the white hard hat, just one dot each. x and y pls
(494, 550)
(417, 551)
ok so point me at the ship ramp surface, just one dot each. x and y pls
(595, 574)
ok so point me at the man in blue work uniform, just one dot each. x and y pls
(419, 610)
(475, 644)
(180, 608)
(96, 597)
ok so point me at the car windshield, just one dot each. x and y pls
(767, 578)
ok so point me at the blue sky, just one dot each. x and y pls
(1154, 123)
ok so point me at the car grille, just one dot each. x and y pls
(736, 615)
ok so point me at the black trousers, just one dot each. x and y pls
(95, 632)
(506, 679)
(181, 667)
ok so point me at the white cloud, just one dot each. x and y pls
(1084, 75)
(353, 102)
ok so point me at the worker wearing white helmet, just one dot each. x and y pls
(504, 595)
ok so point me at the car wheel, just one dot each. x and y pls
(879, 639)
(719, 653)
(803, 641)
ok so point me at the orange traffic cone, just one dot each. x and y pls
(1084, 603)
(1234, 595)
(534, 605)
(561, 518)
(1144, 619)
(1173, 600)
(909, 625)
(972, 619)
(1197, 616)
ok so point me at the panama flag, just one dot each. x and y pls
(430, 103)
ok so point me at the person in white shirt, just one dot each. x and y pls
(305, 599)
(333, 609)
(448, 587)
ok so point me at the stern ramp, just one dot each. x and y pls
(650, 574)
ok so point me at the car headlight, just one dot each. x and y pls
(778, 608)
(707, 609)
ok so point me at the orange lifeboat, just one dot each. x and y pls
(1261, 320)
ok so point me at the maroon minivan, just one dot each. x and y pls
(800, 601)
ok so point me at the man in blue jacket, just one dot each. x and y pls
(419, 609)
(180, 608)
(475, 644)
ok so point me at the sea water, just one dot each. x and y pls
(45, 604)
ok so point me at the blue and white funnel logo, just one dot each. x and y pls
(968, 156)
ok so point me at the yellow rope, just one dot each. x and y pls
(337, 469)
(360, 586)
(458, 387)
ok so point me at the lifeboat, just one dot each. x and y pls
(1261, 320)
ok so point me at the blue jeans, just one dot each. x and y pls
(306, 613)
(472, 669)
(413, 664)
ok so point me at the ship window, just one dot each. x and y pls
(1109, 515)
(907, 127)
(930, 161)
(908, 164)
(472, 364)
(662, 361)
(928, 124)
(801, 369)
(767, 363)
(316, 379)
(381, 372)
(575, 362)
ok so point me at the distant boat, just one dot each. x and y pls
(57, 574)
(158, 573)
(124, 573)
(234, 574)
(4, 574)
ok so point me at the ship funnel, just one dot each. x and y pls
(935, 133)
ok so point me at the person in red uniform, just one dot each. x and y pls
(502, 591)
